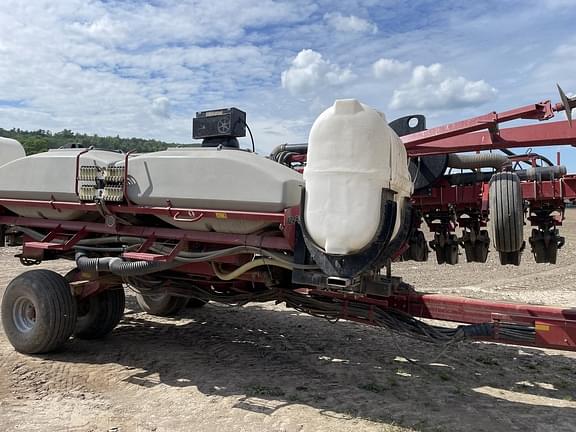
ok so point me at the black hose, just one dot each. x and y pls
(535, 155)
(120, 267)
(182, 257)
(403, 323)
(294, 148)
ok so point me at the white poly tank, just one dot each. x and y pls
(352, 155)
(10, 149)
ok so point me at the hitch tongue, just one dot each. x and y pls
(568, 104)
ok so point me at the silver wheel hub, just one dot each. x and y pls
(24, 314)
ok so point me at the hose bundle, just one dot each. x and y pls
(120, 267)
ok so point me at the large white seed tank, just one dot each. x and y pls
(352, 156)
(10, 150)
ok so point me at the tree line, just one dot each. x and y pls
(42, 140)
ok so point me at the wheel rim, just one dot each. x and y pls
(24, 314)
(156, 298)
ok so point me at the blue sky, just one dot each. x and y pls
(137, 68)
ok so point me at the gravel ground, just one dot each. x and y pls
(267, 368)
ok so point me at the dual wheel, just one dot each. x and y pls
(476, 245)
(446, 247)
(545, 243)
(39, 312)
(507, 215)
(166, 305)
(417, 248)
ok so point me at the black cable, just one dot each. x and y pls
(252, 139)
(331, 309)
(251, 136)
(240, 120)
(536, 155)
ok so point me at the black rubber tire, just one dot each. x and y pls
(478, 251)
(470, 251)
(418, 248)
(512, 258)
(437, 246)
(481, 252)
(99, 314)
(195, 303)
(543, 254)
(538, 247)
(163, 305)
(507, 214)
(440, 255)
(553, 253)
(451, 250)
(406, 255)
(38, 311)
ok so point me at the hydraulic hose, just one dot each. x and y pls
(247, 267)
(292, 148)
(182, 257)
(476, 161)
(536, 155)
(120, 267)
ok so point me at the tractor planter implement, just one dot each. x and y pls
(184, 227)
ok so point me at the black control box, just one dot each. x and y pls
(228, 122)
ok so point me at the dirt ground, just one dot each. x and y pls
(266, 368)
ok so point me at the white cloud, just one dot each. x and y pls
(436, 87)
(103, 30)
(309, 72)
(97, 66)
(350, 23)
(388, 68)
(161, 107)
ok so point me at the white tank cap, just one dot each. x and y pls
(347, 106)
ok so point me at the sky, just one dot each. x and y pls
(143, 68)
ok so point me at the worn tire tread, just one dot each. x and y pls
(506, 209)
(55, 308)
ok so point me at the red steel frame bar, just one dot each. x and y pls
(267, 242)
(555, 133)
(539, 111)
(443, 195)
(453, 139)
(554, 327)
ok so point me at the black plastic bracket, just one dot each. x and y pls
(372, 257)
